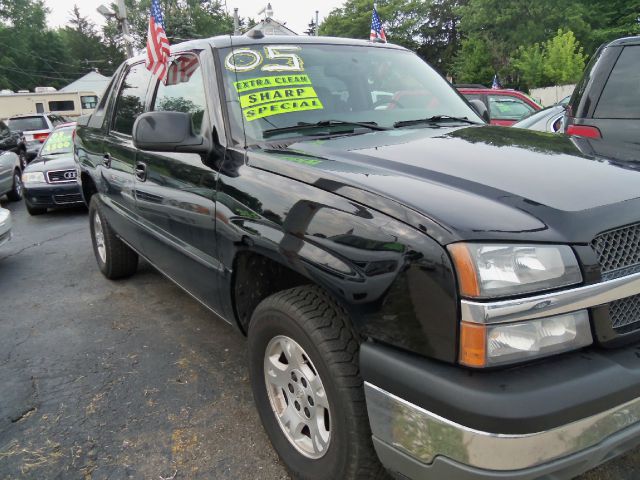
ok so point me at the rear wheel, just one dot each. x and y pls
(15, 195)
(307, 386)
(115, 258)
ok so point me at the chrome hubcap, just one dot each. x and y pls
(98, 233)
(17, 185)
(297, 396)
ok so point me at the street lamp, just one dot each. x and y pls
(121, 17)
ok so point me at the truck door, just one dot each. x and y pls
(119, 154)
(175, 192)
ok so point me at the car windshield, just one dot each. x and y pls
(285, 90)
(60, 141)
(26, 124)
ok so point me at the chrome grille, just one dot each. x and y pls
(618, 251)
(60, 176)
(67, 198)
(625, 314)
(619, 255)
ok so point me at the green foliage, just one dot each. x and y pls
(440, 36)
(474, 63)
(401, 20)
(564, 59)
(184, 19)
(529, 62)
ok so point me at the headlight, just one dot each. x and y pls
(4, 216)
(33, 177)
(498, 270)
(491, 345)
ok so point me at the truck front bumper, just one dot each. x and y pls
(554, 419)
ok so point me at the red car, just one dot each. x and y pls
(506, 106)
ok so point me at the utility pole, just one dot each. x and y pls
(123, 24)
(122, 18)
(317, 25)
(236, 22)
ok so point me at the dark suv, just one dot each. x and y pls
(606, 102)
(419, 290)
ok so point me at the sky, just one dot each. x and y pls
(296, 13)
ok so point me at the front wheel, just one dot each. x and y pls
(115, 258)
(15, 195)
(22, 155)
(307, 387)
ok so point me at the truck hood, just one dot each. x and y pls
(479, 182)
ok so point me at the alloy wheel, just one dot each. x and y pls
(297, 396)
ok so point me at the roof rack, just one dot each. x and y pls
(469, 85)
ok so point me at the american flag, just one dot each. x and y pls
(377, 30)
(157, 43)
(181, 69)
(496, 83)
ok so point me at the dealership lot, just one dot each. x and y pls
(128, 379)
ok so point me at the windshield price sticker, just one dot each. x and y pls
(58, 141)
(266, 82)
(275, 102)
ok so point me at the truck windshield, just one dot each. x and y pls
(278, 88)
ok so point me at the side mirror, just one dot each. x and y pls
(167, 132)
(481, 109)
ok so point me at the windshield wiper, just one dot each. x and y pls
(323, 123)
(434, 119)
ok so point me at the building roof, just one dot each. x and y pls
(269, 26)
(91, 82)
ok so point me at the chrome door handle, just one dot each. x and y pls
(141, 171)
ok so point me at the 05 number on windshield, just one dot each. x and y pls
(245, 59)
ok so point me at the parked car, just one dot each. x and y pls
(10, 181)
(5, 226)
(13, 141)
(35, 128)
(546, 120)
(506, 106)
(50, 181)
(419, 290)
(606, 102)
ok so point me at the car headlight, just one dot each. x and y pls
(499, 270)
(5, 216)
(33, 177)
(491, 345)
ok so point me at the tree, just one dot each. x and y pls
(474, 62)
(401, 20)
(504, 26)
(529, 62)
(440, 33)
(564, 59)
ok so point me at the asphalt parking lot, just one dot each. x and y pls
(127, 379)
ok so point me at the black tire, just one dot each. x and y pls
(22, 155)
(15, 195)
(119, 260)
(322, 329)
(35, 210)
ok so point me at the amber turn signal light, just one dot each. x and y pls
(465, 270)
(473, 345)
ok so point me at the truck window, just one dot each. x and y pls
(131, 98)
(62, 106)
(184, 91)
(508, 108)
(621, 95)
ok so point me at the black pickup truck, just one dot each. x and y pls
(420, 291)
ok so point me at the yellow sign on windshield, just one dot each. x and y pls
(58, 141)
